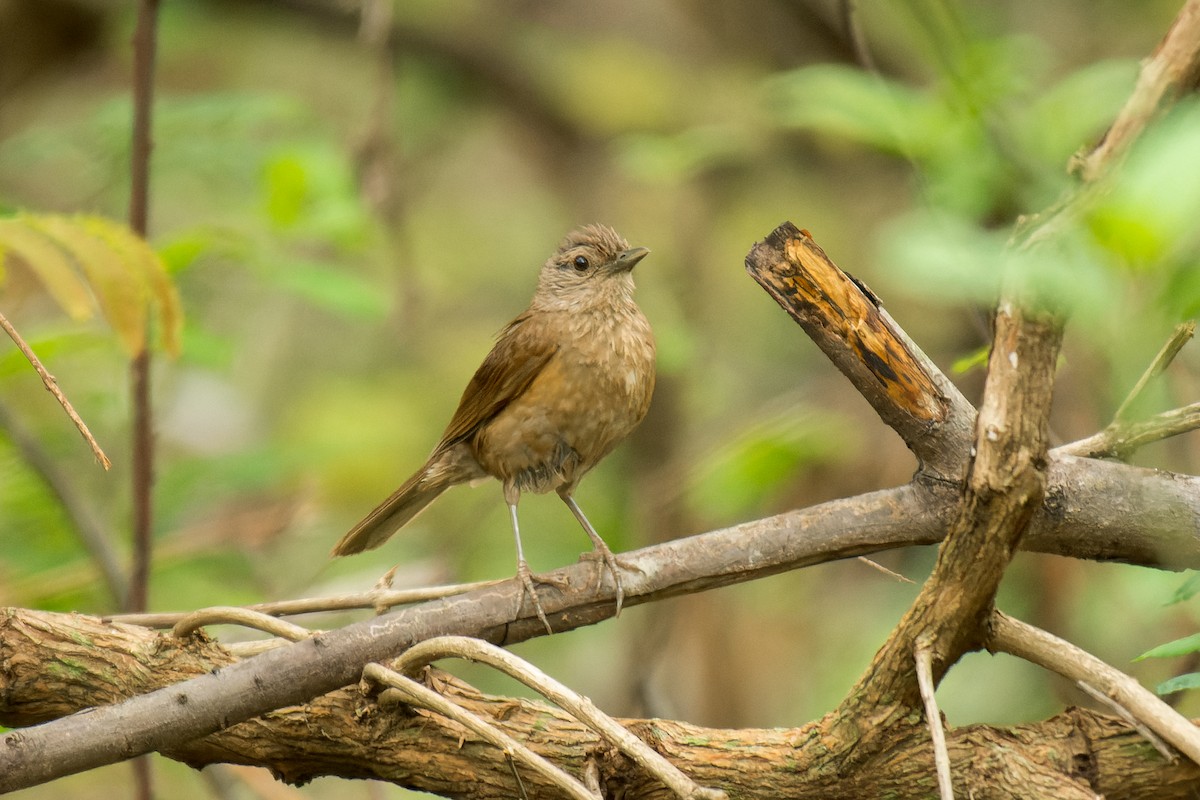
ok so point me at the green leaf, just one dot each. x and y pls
(1179, 683)
(849, 103)
(1187, 591)
(334, 289)
(973, 360)
(1151, 208)
(49, 264)
(1179, 647)
(287, 188)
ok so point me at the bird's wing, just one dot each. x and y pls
(517, 358)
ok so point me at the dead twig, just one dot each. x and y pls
(424, 653)
(941, 758)
(1012, 636)
(52, 386)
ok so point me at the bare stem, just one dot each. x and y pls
(144, 46)
(1179, 337)
(1039, 647)
(941, 758)
(52, 386)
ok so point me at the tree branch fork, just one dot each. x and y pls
(1014, 492)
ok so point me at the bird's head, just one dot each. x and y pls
(592, 266)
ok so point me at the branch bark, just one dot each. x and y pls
(1075, 754)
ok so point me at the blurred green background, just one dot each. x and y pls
(350, 217)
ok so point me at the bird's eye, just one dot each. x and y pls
(581, 263)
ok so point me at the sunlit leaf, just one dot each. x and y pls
(1179, 683)
(120, 290)
(287, 189)
(145, 266)
(973, 360)
(1179, 647)
(49, 264)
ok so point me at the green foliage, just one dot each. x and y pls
(88, 261)
(1188, 589)
(754, 466)
(1178, 647)
(1179, 683)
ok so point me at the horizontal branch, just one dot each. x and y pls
(1158, 525)
(352, 735)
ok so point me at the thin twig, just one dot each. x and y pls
(1046, 650)
(890, 573)
(1167, 73)
(376, 599)
(232, 615)
(941, 757)
(424, 653)
(1150, 736)
(1179, 337)
(52, 386)
(418, 695)
(1118, 441)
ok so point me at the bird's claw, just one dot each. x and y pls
(614, 565)
(525, 575)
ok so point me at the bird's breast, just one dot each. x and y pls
(585, 401)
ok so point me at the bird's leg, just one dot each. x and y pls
(511, 495)
(601, 549)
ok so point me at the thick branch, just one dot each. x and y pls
(348, 734)
(848, 323)
(1005, 486)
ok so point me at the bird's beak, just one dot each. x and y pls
(626, 260)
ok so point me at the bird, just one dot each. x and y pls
(566, 381)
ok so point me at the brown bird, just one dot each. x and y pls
(566, 382)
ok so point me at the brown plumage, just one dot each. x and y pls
(565, 383)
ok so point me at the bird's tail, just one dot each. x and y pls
(392, 514)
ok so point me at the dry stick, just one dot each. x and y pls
(415, 694)
(881, 568)
(424, 653)
(52, 386)
(1162, 747)
(923, 655)
(1179, 337)
(231, 615)
(1012, 636)
(378, 599)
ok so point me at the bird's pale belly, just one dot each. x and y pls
(573, 415)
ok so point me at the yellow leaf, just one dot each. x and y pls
(140, 257)
(49, 264)
(121, 291)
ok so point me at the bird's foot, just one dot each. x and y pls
(603, 553)
(527, 580)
